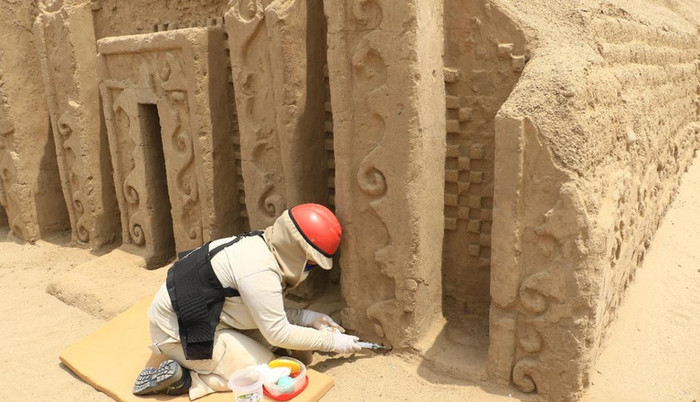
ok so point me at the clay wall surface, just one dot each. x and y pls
(66, 47)
(30, 188)
(384, 63)
(166, 108)
(484, 56)
(277, 52)
(590, 147)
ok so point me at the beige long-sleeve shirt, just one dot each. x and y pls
(250, 267)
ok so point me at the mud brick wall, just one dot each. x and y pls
(484, 56)
(30, 188)
(656, 73)
(588, 157)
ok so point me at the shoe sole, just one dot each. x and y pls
(157, 380)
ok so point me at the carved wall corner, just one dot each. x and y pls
(534, 286)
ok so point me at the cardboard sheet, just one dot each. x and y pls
(111, 358)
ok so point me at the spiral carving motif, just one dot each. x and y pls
(83, 233)
(65, 123)
(523, 375)
(122, 118)
(371, 180)
(182, 143)
(272, 203)
(138, 236)
(131, 195)
(164, 70)
(77, 203)
(246, 10)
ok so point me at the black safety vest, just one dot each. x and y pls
(197, 297)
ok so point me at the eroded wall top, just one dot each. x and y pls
(117, 18)
(593, 142)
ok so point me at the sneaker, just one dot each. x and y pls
(169, 378)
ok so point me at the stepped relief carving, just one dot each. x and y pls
(251, 67)
(485, 53)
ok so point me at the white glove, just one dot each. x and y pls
(345, 343)
(319, 321)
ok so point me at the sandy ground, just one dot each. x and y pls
(652, 354)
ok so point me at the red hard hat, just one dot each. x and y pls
(319, 227)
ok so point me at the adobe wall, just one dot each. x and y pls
(30, 188)
(590, 148)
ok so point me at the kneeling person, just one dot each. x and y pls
(218, 298)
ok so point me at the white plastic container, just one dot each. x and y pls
(247, 385)
(298, 382)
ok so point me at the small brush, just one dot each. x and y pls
(363, 345)
(373, 346)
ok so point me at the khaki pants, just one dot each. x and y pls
(233, 350)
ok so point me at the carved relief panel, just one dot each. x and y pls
(66, 46)
(157, 90)
(278, 76)
(386, 191)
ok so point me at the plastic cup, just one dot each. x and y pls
(247, 385)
